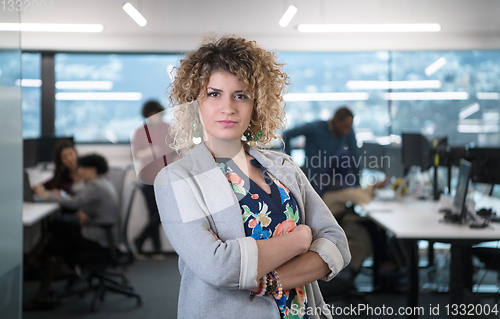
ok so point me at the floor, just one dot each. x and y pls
(158, 283)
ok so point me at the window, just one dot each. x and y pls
(469, 111)
(99, 96)
(344, 75)
(32, 94)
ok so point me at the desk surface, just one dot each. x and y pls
(409, 218)
(34, 212)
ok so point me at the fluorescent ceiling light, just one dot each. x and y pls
(349, 28)
(288, 16)
(84, 85)
(360, 85)
(468, 111)
(51, 27)
(475, 128)
(431, 69)
(35, 83)
(418, 96)
(134, 14)
(99, 96)
(349, 96)
(488, 95)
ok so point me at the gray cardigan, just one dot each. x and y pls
(193, 196)
(99, 200)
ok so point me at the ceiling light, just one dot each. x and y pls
(419, 96)
(468, 111)
(134, 14)
(381, 85)
(488, 95)
(34, 83)
(349, 28)
(99, 96)
(438, 64)
(51, 27)
(477, 128)
(354, 96)
(288, 16)
(84, 85)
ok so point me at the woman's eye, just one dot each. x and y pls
(213, 94)
(241, 96)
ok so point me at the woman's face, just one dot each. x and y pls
(227, 109)
(69, 157)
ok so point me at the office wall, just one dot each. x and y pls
(11, 228)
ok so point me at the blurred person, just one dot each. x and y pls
(66, 177)
(326, 143)
(150, 144)
(70, 235)
(252, 235)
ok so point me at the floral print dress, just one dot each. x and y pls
(267, 215)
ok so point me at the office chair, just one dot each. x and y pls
(97, 264)
(490, 257)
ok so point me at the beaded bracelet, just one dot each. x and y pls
(277, 293)
(262, 289)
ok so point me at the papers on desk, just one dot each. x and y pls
(385, 194)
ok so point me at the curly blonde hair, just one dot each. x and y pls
(256, 68)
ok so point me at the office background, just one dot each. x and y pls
(452, 75)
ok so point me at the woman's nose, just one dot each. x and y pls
(227, 105)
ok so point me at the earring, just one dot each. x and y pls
(196, 135)
(252, 141)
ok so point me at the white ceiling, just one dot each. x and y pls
(175, 26)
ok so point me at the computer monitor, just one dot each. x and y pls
(27, 192)
(415, 151)
(394, 167)
(30, 152)
(459, 205)
(46, 147)
(373, 154)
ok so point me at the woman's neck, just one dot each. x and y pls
(229, 148)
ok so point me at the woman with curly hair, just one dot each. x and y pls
(251, 233)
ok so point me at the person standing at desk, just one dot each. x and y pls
(152, 136)
(326, 143)
(96, 203)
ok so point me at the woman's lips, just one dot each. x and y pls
(227, 123)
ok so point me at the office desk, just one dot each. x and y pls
(35, 212)
(412, 220)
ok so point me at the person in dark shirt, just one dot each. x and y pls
(327, 144)
(66, 177)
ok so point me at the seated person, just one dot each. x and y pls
(337, 188)
(95, 204)
(66, 177)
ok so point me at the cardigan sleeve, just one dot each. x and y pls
(231, 264)
(329, 239)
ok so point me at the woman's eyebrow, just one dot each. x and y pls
(214, 89)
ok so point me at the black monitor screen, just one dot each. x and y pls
(46, 147)
(415, 151)
(462, 186)
(30, 153)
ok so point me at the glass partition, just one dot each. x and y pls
(11, 228)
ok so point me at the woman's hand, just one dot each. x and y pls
(305, 237)
(82, 217)
(40, 191)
